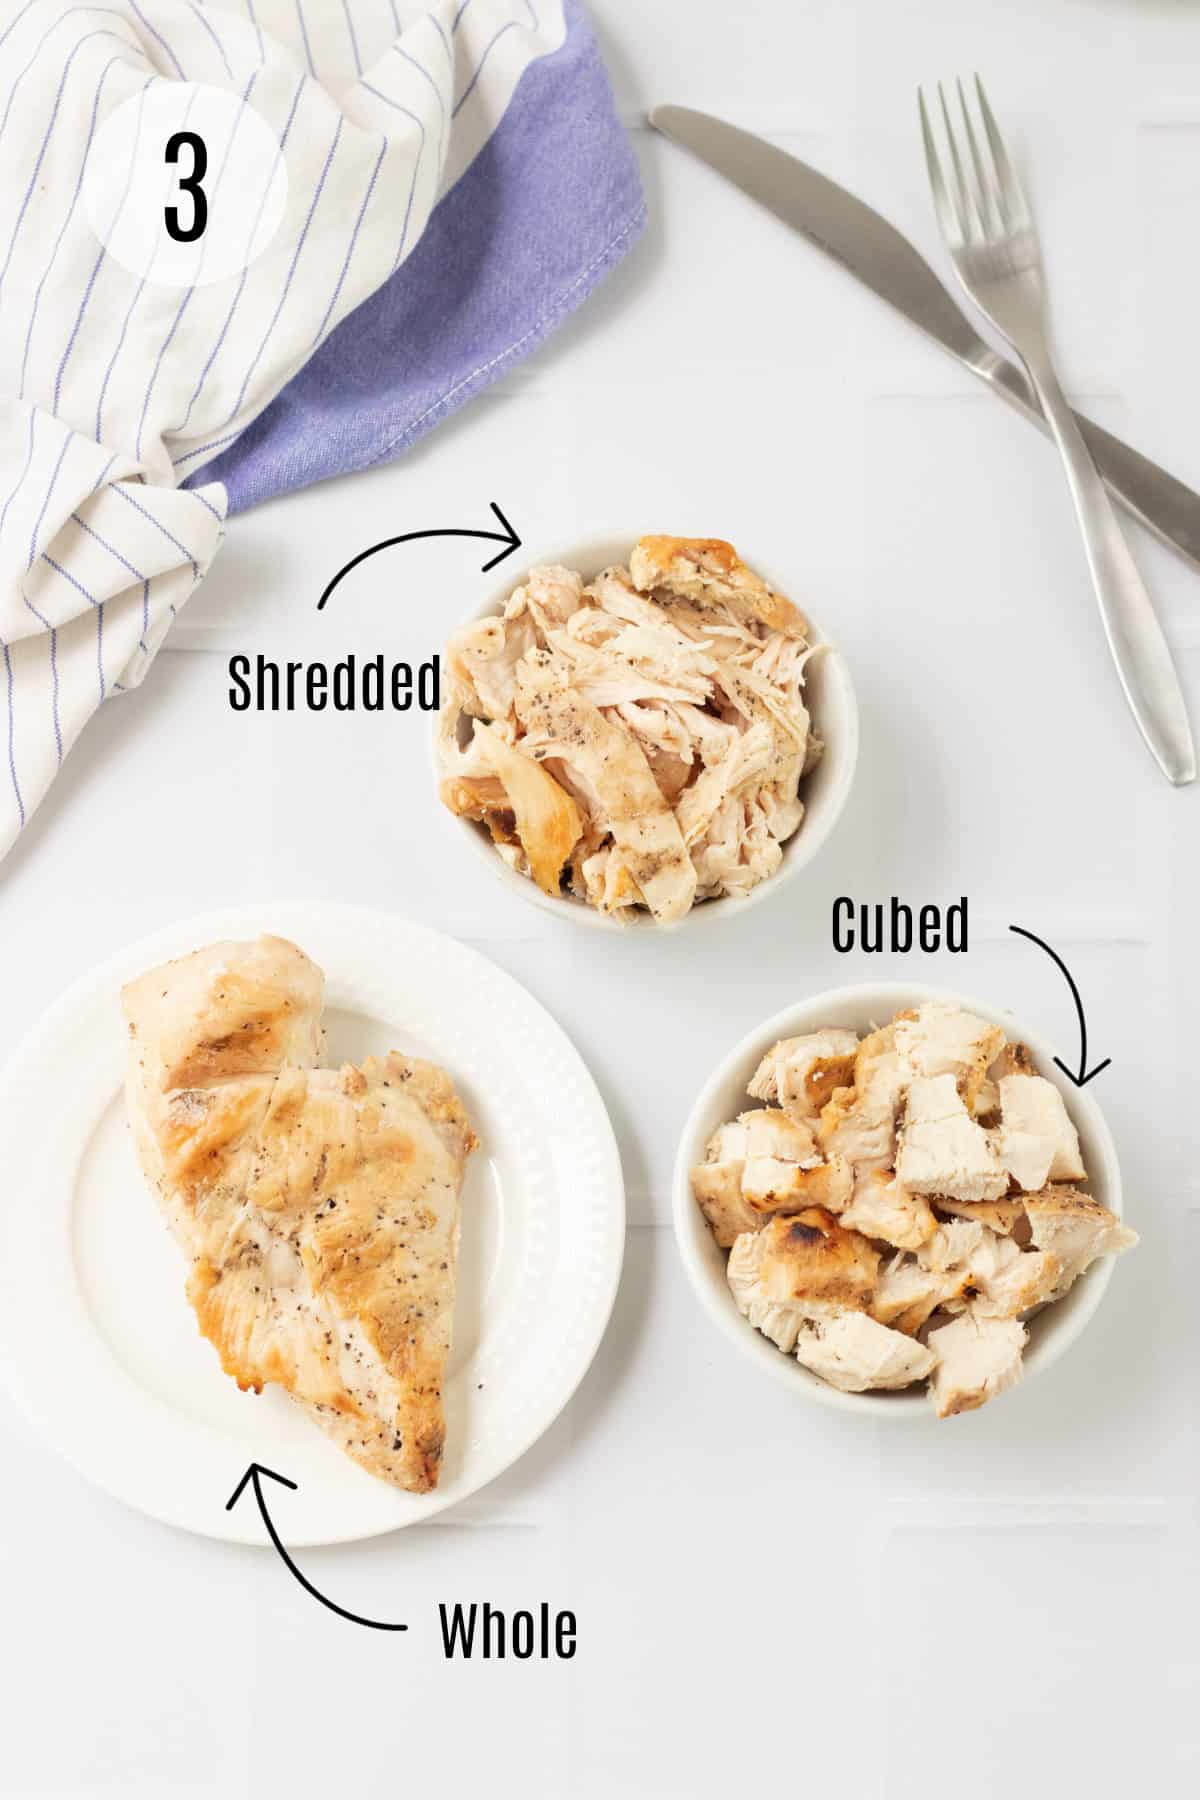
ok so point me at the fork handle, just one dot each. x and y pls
(1135, 637)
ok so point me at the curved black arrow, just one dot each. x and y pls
(252, 1475)
(1085, 1074)
(507, 537)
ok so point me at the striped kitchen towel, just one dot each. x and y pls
(397, 202)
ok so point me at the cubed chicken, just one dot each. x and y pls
(942, 1039)
(907, 1292)
(764, 1131)
(769, 1185)
(1036, 1140)
(760, 1163)
(952, 1246)
(718, 1190)
(801, 1073)
(977, 1358)
(809, 1258)
(854, 1352)
(942, 1149)
(1018, 1281)
(1001, 1280)
(780, 1320)
(989, 1272)
(882, 1208)
(1076, 1229)
(859, 1122)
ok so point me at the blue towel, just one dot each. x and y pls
(549, 205)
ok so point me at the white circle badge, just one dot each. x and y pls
(185, 184)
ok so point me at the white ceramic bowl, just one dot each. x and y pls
(1051, 1332)
(831, 701)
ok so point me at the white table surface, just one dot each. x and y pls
(767, 1593)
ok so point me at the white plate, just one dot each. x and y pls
(97, 1340)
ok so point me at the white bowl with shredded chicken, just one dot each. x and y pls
(1052, 1329)
(473, 754)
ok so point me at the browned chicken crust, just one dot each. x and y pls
(707, 570)
(809, 1257)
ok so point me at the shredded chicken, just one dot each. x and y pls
(638, 742)
(902, 1205)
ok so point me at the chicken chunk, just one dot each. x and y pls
(761, 1163)
(883, 1208)
(854, 1352)
(907, 1293)
(708, 570)
(942, 1039)
(547, 819)
(1076, 1229)
(780, 1320)
(977, 1358)
(942, 1149)
(859, 1122)
(770, 1186)
(801, 1073)
(764, 1131)
(718, 1190)
(1017, 1282)
(991, 1273)
(809, 1258)
(819, 1330)
(1036, 1140)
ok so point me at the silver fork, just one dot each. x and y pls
(989, 232)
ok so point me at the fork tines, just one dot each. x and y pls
(981, 199)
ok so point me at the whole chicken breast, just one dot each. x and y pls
(319, 1208)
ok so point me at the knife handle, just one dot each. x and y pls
(1156, 499)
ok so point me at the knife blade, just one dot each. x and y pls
(863, 242)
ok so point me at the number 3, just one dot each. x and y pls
(188, 184)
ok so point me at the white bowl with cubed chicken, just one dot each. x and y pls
(538, 850)
(890, 1195)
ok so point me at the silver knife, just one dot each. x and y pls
(863, 242)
